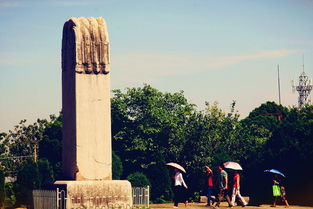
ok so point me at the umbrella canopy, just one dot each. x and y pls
(232, 165)
(175, 165)
(275, 172)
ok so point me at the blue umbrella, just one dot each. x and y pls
(275, 171)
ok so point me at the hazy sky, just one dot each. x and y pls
(213, 50)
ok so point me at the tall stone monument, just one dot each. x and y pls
(87, 161)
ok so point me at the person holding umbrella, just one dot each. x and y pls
(278, 188)
(236, 190)
(278, 191)
(179, 185)
(236, 183)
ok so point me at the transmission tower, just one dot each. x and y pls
(304, 89)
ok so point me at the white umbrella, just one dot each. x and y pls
(175, 165)
(232, 165)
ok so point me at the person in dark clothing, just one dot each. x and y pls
(209, 181)
(279, 191)
(179, 189)
(222, 184)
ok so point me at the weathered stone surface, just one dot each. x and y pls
(87, 152)
(86, 109)
(97, 194)
(85, 46)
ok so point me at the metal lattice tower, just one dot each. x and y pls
(304, 89)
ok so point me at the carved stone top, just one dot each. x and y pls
(85, 46)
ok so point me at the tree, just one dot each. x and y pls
(117, 167)
(28, 178)
(50, 147)
(288, 149)
(151, 128)
(215, 137)
(267, 115)
(32, 175)
(2, 192)
(138, 179)
(148, 128)
(21, 144)
(146, 121)
(160, 182)
(4, 160)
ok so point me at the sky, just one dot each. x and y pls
(213, 50)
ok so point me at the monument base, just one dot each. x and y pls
(97, 194)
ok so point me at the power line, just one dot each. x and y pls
(16, 157)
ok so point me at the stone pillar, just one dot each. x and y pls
(86, 100)
(87, 152)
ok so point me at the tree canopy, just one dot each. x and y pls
(151, 128)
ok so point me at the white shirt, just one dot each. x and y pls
(179, 181)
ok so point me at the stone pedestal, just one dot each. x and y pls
(97, 194)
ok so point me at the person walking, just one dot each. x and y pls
(179, 189)
(222, 186)
(279, 191)
(236, 190)
(209, 181)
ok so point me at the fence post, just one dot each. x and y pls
(58, 205)
(148, 195)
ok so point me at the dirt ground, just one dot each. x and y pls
(222, 206)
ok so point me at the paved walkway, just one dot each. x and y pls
(222, 206)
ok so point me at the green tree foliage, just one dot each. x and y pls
(151, 128)
(2, 191)
(215, 137)
(138, 179)
(117, 167)
(160, 182)
(3, 143)
(146, 122)
(50, 147)
(3, 151)
(267, 115)
(28, 178)
(10, 198)
(148, 128)
(32, 175)
(289, 149)
(20, 145)
(45, 172)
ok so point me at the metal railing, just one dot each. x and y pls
(56, 199)
(141, 196)
(45, 199)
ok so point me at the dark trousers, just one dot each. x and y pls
(223, 193)
(179, 195)
(209, 195)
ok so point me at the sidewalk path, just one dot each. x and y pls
(222, 206)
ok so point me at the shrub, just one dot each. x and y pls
(10, 199)
(160, 183)
(117, 167)
(32, 175)
(138, 179)
(2, 193)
